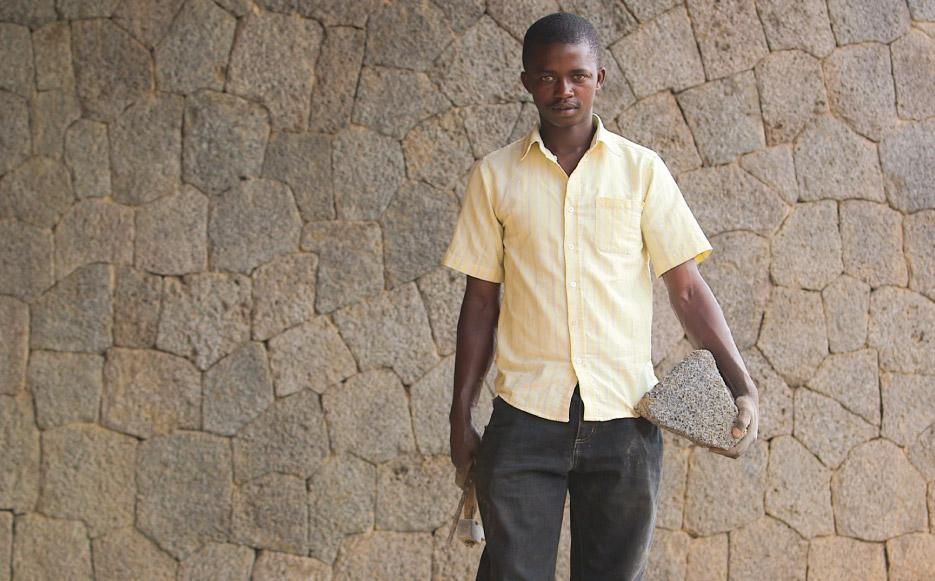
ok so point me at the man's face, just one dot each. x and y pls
(562, 79)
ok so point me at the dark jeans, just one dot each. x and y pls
(611, 471)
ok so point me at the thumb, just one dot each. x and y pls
(739, 429)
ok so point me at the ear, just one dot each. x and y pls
(525, 79)
(600, 78)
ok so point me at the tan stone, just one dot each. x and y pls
(900, 321)
(922, 453)
(409, 94)
(236, 390)
(672, 487)
(304, 162)
(93, 231)
(904, 154)
(873, 243)
(370, 167)
(767, 545)
(387, 554)
(792, 92)
(656, 122)
(776, 403)
(273, 566)
(66, 387)
(908, 406)
(799, 489)
(28, 13)
(341, 498)
(517, 15)
(847, 307)
(51, 113)
(350, 261)
(76, 9)
(913, 64)
(774, 167)
(14, 344)
(48, 548)
(437, 150)
(87, 155)
(827, 429)
(283, 294)
(615, 94)
(797, 24)
(171, 233)
(729, 36)
(16, 144)
(407, 34)
(833, 162)
(37, 192)
(194, 53)
(453, 560)
(19, 464)
(271, 512)
(646, 10)
(25, 260)
(137, 304)
(868, 20)
(711, 507)
(338, 68)
(310, 355)
(17, 73)
(51, 46)
(442, 291)
(415, 494)
(851, 379)
(807, 249)
(793, 336)
(668, 556)
(707, 558)
(218, 561)
(860, 89)
(839, 558)
(489, 126)
(76, 314)
(126, 554)
(919, 231)
(910, 557)
(6, 545)
(462, 14)
(147, 21)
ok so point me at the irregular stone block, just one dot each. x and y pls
(727, 198)
(515, 17)
(489, 126)
(415, 494)
(25, 259)
(847, 304)
(646, 10)
(76, 314)
(15, 141)
(283, 294)
(877, 494)
(528, 118)
(329, 12)
(369, 167)
(437, 150)
(341, 498)
(776, 404)
(79, 9)
(17, 73)
(807, 249)
(668, 555)
(693, 401)
(48, 548)
(350, 261)
(908, 406)
(290, 437)
(922, 454)
(860, 88)
(218, 561)
(225, 139)
(126, 554)
(661, 54)
(868, 20)
(611, 19)
(14, 345)
(238, 8)
(729, 36)
(827, 429)
(236, 390)
(442, 291)
(66, 387)
(457, 561)
(873, 243)
(137, 303)
(672, 487)
(908, 188)
(922, 10)
(184, 490)
(462, 14)
(147, 21)
(271, 512)
(396, 555)
(792, 92)
(253, 223)
(900, 321)
(462, 82)
(767, 545)
(793, 336)
(338, 69)
(774, 167)
(51, 45)
(112, 70)
(657, 123)
(171, 233)
(33, 13)
(615, 94)
(6, 545)
(910, 556)
(409, 94)
(222, 303)
(839, 557)
(407, 34)
(19, 464)
(37, 192)
(87, 155)
(194, 53)
(51, 112)
(797, 24)
(914, 74)
(368, 416)
(851, 379)
(919, 231)
(93, 231)
(273, 62)
(310, 355)
(272, 566)
(304, 162)
(707, 558)
(799, 491)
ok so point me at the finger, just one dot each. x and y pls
(742, 422)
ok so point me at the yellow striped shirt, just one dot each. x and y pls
(574, 255)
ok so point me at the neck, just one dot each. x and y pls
(561, 140)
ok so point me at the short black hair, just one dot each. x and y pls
(561, 28)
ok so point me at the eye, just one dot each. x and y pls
(546, 78)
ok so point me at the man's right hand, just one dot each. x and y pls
(465, 440)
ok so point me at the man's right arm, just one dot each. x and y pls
(477, 325)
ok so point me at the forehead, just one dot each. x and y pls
(559, 55)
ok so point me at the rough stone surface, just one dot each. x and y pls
(657, 123)
(415, 494)
(711, 507)
(147, 21)
(860, 88)
(407, 34)
(776, 398)
(224, 139)
(51, 113)
(910, 556)
(851, 379)
(310, 355)
(793, 336)
(922, 454)
(112, 70)
(51, 46)
(93, 231)
(488, 126)
(646, 10)
(15, 141)
(847, 306)
(304, 162)
(615, 94)
(76, 9)
(271, 512)
(409, 94)
(273, 566)
(437, 150)
(442, 291)
(729, 36)
(341, 498)
(218, 561)
(797, 24)
(76, 314)
(17, 73)
(137, 303)
(661, 54)
(668, 555)
(908, 406)
(806, 252)
(390, 330)
(767, 545)
(222, 302)
(901, 152)
(342, 52)
(837, 558)
(827, 429)
(66, 387)
(194, 53)
(37, 192)
(900, 323)
(48, 548)
(171, 233)
(831, 161)
(395, 555)
(370, 168)
(25, 259)
(913, 65)
(236, 390)
(350, 261)
(672, 487)
(799, 490)
(792, 92)
(28, 12)
(14, 345)
(707, 558)
(283, 294)
(87, 155)
(457, 561)
(516, 16)
(184, 491)
(273, 62)
(878, 494)
(693, 401)
(873, 243)
(6, 545)
(19, 464)
(290, 437)
(251, 224)
(774, 167)
(919, 231)
(868, 20)
(126, 554)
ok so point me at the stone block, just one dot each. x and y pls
(236, 390)
(310, 355)
(137, 303)
(368, 415)
(656, 122)
(409, 94)
(922, 453)
(710, 506)
(827, 429)
(37, 192)
(878, 494)
(672, 487)
(126, 554)
(251, 224)
(910, 556)
(338, 69)
(304, 162)
(913, 66)
(516, 16)
(908, 406)
(831, 161)
(225, 139)
(693, 401)
(18, 72)
(868, 20)
(51, 112)
(395, 555)
(488, 126)
(899, 324)
(661, 54)
(611, 19)
(273, 566)
(15, 139)
(646, 10)
(350, 261)
(707, 558)
(903, 154)
(195, 50)
(341, 497)
(437, 150)
(615, 94)
(283, 294)
(919, 231)
(767, 547)
(837, 558)
(171, 233)
(370, 167)
(873, 243)
(847, 306)
(851, 379)
(442, 291)
(66, 387)
(51, 46)
(49, 548)
(806, 251)
(19, 464)
(93, 231)
(76, 314)
(6, 545)
(25, 260)
(797, 24)
(87, 155)
(407, 34)
(729, 34)
(148, 22)
(415, 494)
(464, 83)
(793, 336)
(776, 398)
(668, 555)
(799, 490)
(112, 70)
(528, 117)
(774, 167)
(218, 561)
(390, 330)
(860, 88)
(455, 560)
(222, 303)
(792, 92)
(77, 9)
(28, 12)
(290, 437)
(184, 491)
(14, 345)
(271, 512)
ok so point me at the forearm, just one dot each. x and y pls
(475, 346)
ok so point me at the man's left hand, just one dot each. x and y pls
(746, 425)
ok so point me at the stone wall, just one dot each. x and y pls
(226, 343)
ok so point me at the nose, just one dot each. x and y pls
(563, 88)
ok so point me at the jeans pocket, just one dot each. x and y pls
(617, 225)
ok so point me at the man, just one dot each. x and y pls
(568, 219)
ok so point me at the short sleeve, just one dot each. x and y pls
(476, 247)
(670, 232)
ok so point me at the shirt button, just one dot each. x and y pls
(573, 284)
(571, 246)
(571, 209)
(578, 360)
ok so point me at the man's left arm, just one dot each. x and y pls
(701, 317)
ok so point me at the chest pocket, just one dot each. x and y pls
(617, 225)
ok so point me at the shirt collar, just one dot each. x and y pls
(601, 135)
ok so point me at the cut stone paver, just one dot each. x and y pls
(776, 397)
(137, 304)
(76, 314)
(922, 454)
(50, 548)
(488, 127)
(25, 260)
(304, 162)
(283, 294)
(910, 557)
(236, 390)
(793, 336)
(147, 21)
(919, 231)
(171, 233)
(672, 487)
(726, 198)
(860, 88)
(273, 566)
(15, 140)
(51, 113)
(415, 494)
(87, 155)
(271, 512)
(913, 66)
(908, 406)
(899, 328)
(656, 122)
(126, 554)
(51, 46)
(93, 231)
(707, 558)
(872, 236)
(194, 52)
(799, 490)
(37, 192)
(342, 53)
(774, 167)
(729, 36)
(442, 290)
(837, 558)
(395, 555)
(350, 261)
(409, 94)
(310, 355)
(851, 379)
(767, 545)
(457, 561)
(806, 252)
(17, 72)
(341, 498)
(19, 464)
(827, 429)
(711, 507)
(407, 34)
(668, 555)
(369, 167)
(903, 154)
(797, 24)
(14, 345)
(833, 162)
(437, 150)
(868, 20)
(847, 307)
(66, 387)
(218, 561)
